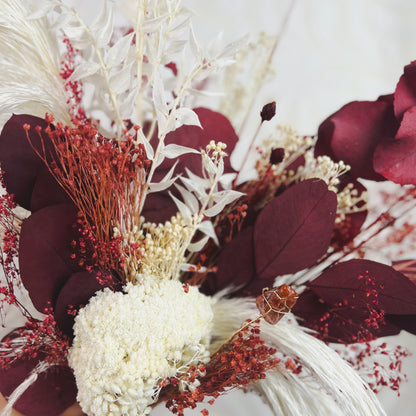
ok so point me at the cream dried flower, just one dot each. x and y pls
(126, 343)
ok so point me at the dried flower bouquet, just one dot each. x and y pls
(157, 271)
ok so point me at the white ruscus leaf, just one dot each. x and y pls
(207, 228)
(118, 51)
(103, 26)
(183, 209)
(84, 70)
(188, 198)
(199, 245)
(172, 151)
(186, 116)
(224, 198)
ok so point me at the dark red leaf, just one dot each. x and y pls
(294, 229)
(395, 159)
(256, 286)
(406, 322)
(338, 324)
(17, 158)
(352, 134)
(236, 261)
(52, 393)
(75, 293)
(405, 94)
(45, 252)
(396, 294)
(47, 191)
(159, 207)
(349, 228)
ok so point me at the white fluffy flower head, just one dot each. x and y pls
(125, 343)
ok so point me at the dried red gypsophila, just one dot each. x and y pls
(105, 178)
(378, 364)
(241, 361)
(9, 251)
(74, 89)
(37, 337)
(92, 254)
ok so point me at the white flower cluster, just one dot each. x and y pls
(126, 343)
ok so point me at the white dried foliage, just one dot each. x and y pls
(30, 63)
(202, 196)
(327, 385)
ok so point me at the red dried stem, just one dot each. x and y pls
(105, 179)
(238, 363)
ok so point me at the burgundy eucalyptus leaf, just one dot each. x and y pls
(159, 207)
(364, 282)
(277, 155)
(342, 324)
(405, 94)
(236, 262)
(349, 228)
(47, 191)
(52, 393)
(17, 158)
(352, 134)
(406, 322)
(45, 252)
(294, 229)
(75, 293)
(395, 159)
(256, 286)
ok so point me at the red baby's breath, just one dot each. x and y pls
(241, 361)
(37, 337)
(105, 179)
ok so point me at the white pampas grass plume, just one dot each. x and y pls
(30, 64)
(326, 385)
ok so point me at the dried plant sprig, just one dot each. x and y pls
(340, 387)
(30, 58)
(104, 178)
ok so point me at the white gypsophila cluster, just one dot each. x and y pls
(126, 343)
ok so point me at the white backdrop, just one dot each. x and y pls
(332, 52)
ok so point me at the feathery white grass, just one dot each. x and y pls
(327, 384)
(30, 64)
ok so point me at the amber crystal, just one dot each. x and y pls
(274, 303)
